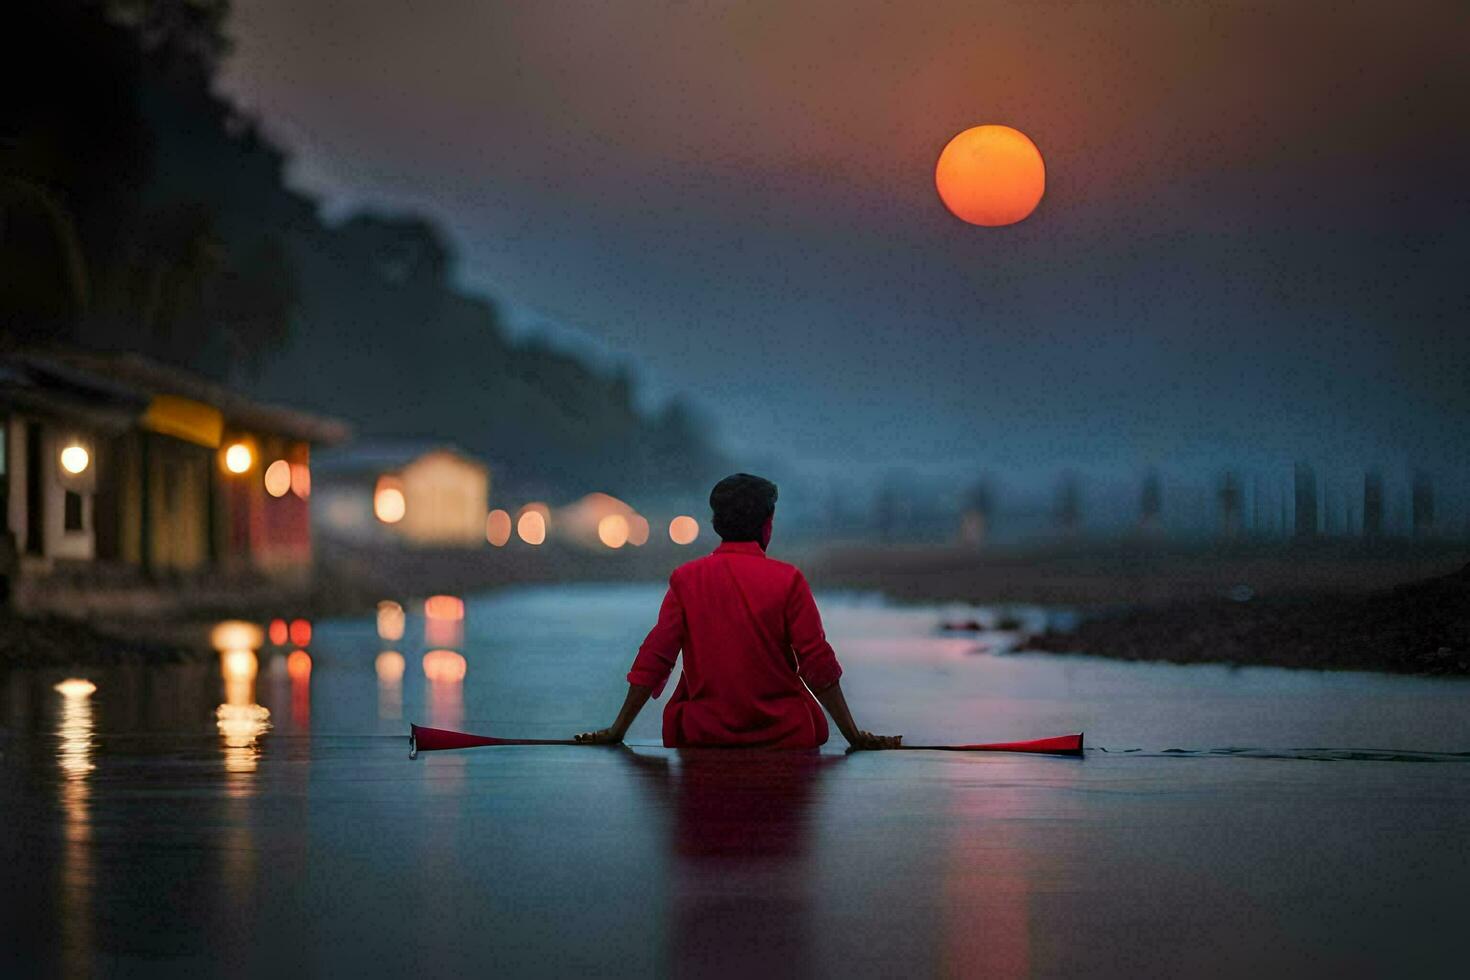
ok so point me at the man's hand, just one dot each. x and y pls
(867, 740)
(603, 736)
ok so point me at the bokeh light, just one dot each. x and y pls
(239, 458)
(612, 530)
(235, 634)
(497, 528)
(298, 665)
(75, 687)
(300, 632)
(532, 527)
(683, 529)
(301, 480)
(280, 633)
(390, 620)
(74, 459)
(444, 607)
(389, 666)
(444, 666)
(638, 530)
(389, 504)
(278, 478)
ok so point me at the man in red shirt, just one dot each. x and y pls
(754, 649)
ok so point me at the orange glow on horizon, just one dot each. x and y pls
(683, 529)
(497, 528)
(990, 176)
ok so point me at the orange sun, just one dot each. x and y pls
(990, 175)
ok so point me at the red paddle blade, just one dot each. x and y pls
(432, 739)
(1060, 745)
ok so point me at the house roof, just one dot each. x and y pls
(62, 392)
(133, 376)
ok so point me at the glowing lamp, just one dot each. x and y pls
(683, 529)
(279, 632)
(497, 528)
(239, 458)
(74, 459)
(389, 504)
(532, 527)
(278, 478)
(612, 530)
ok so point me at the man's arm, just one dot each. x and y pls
(835, 702)
(632, 704)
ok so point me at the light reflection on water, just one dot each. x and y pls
(284, 830)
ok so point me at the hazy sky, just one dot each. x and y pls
(1253, 244)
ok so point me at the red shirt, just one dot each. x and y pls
(751, 635)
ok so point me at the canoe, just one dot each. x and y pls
(423, 739)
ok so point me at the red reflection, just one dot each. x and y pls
(279, 633)
(445, 670)
(444, 666)
(444, 607)
(300, 632)
(298, 666)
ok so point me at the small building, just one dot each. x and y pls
(121, 473)
(419, 494)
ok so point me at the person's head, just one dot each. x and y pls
(743, 506)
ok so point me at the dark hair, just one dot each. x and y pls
(742, 504)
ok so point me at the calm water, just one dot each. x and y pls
(259, 815)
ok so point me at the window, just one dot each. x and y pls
(73, 511)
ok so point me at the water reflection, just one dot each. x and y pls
(743, 889)
(389, 667)
(75, 738)
(390, 621)
(445, 671)
(240, 720)
(298, 668)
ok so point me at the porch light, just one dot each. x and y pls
(75, 459)
(239, 458)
